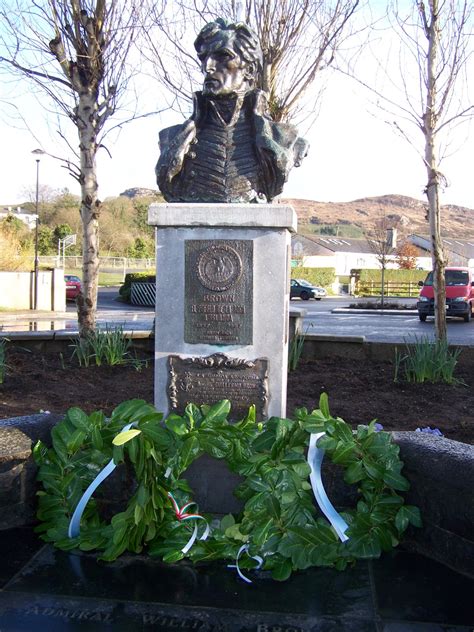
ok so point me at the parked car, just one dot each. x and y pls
(459, 294)
(304, 290)
(73, 286)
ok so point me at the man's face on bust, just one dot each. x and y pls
(225, 72)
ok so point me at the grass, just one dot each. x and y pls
(113, 347)
(110, 347)
(105, 278)
(81, 350)
(295, 349)
(426, 361)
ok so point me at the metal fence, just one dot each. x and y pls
(391, 288)
(106, 263)
(143, 294)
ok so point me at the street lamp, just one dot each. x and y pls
(38, 152)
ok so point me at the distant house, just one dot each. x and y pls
(310, 254)
(342, 254)
(27, 218)
(459, 252)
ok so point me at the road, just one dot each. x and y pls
(111, 311)
(377, 327)
(319, 319)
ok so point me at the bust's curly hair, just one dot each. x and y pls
(244, 41)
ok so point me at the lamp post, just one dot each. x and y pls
(35, 295)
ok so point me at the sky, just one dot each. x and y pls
(353, 152)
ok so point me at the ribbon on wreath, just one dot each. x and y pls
(182, 515)
(340, 526)
(315, 460)
(75, 522)
(245, 549)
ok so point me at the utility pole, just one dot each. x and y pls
(35, 296)
(38, 152)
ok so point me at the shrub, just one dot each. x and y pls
(323, 277)
(396, 282)
(14, 254)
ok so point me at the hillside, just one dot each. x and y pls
(410, 214)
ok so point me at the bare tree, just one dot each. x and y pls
(75, 52)
(382, 240)
(298, 38)
(429, 94)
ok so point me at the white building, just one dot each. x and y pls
(27, 218)
(343, 255)
(459, 252)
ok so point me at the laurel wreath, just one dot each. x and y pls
(280, 521)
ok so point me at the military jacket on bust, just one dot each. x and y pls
(228, 152)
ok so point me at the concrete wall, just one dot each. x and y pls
(315, 346)
(17, 290)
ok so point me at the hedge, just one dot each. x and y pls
(402, 276)
(323, 277)
(396, 282)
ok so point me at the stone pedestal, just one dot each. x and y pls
(222, 305)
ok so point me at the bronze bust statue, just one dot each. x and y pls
(229, 150)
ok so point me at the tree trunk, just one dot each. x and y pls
(266, 76)
(382, 293)
(433, 186)
(437, 255)
(90, 208)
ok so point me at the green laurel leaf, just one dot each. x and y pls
(279, 519)
(128, 435)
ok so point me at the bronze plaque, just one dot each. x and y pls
(207, 380)
(218, 305)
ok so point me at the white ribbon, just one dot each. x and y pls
(315, 459)
(75, 522)
(244, 549)
(192, 539)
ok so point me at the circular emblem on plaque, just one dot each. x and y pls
(219, 267)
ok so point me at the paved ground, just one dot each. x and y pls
(328, 317)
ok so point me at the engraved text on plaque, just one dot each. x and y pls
(218, 291)
(207, 380)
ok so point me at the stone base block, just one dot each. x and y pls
(222, 288)
(441, 473)
(17, 468)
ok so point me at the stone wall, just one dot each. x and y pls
(17, 468)
(441, 473)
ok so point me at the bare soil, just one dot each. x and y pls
(358, 392)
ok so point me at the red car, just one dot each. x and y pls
(73, 286)
(459, 294)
